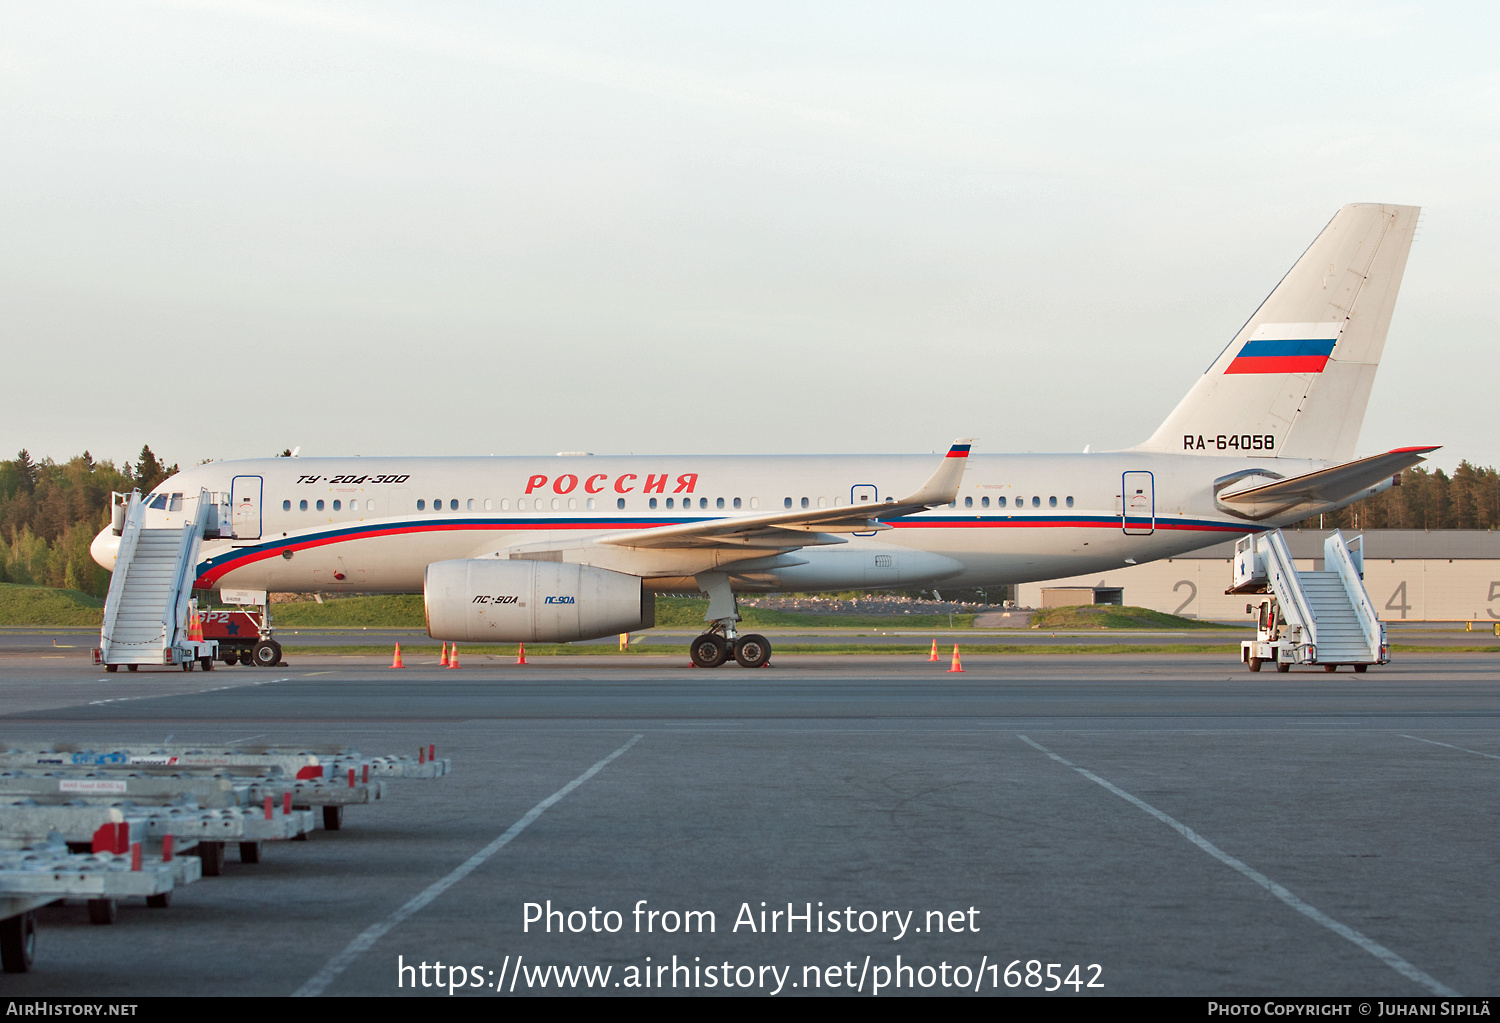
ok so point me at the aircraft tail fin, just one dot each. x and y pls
(1296, 379)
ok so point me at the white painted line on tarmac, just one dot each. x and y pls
(1376, 949)
(1462, 749)
(341, 962)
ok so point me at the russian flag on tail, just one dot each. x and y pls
(1302, 355)
(959, 451)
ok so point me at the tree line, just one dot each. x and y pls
(51, 511)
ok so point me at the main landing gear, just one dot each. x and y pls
(712, 649)
(721, 641)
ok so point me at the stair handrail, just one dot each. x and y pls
(1287, 585)
(1338, 557)
(130, 535)
(185, 571)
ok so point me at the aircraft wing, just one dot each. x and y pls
(1254, 497)
(803, 527)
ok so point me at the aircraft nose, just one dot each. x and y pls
(105, 548)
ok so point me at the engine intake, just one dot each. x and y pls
(522, 601)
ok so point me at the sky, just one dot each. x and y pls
(232, 227)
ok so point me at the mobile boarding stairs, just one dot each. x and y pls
(1309, 617)
(149, 615)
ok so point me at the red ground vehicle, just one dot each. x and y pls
(244, 636)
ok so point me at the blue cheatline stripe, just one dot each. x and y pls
(1283, 349)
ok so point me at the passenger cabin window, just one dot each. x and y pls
(320, 506)
(453, 505)
(736, 503)
(338, 506)
(421, 504)
(669, 502)
(471, 504)
(286, 506)
(968, 502)
(787, 503)
(1051, 502)
(984, 502)
(1070, 502)
(1036, 502)
(653, 504)
(719, 503)
(620, 503)
(1000, 502)
(754, 503)
(804, 502)
(302, 505)
(488, 504)
(703, 502)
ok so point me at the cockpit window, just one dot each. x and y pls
(175, 504)
(158, 502)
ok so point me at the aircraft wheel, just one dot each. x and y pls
(1283, 666)
(708, 651)
(752, 651)
(1361, 668)
(265, 654)
(1254, 663)
(18, 942)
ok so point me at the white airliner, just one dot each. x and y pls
(575, 546)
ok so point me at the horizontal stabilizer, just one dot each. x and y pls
(1250, 495)
(803, 527)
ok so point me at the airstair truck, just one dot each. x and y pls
(1314, 618)
(149, 615)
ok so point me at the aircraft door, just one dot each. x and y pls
(244, 498)
(1138, 495)
(866, 494)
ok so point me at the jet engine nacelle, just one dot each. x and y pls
(543, 601)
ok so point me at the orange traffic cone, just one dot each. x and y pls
(396, 661)
(443, 662)
(956, 666)
(453, 657)
(521, 654)
(195, 627)
(934, 656)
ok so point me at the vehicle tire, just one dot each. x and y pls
(1361, 668)
(206, 663)
(1283, 666)
(708, 651)
(265, 654)
(161, 901)
(333, 818)
(1330, 667)
(187, 665)
(249, 852)
(111, 668)
(18, 942)
(1254, 663)
(212, 855)
(131, 667)
(102, 911)
(752, 651)
(245, 657)
(230, 658)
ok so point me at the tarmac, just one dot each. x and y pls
(1168, 825)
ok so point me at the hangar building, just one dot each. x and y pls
(1411, 575)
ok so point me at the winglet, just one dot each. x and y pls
(942, 486)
